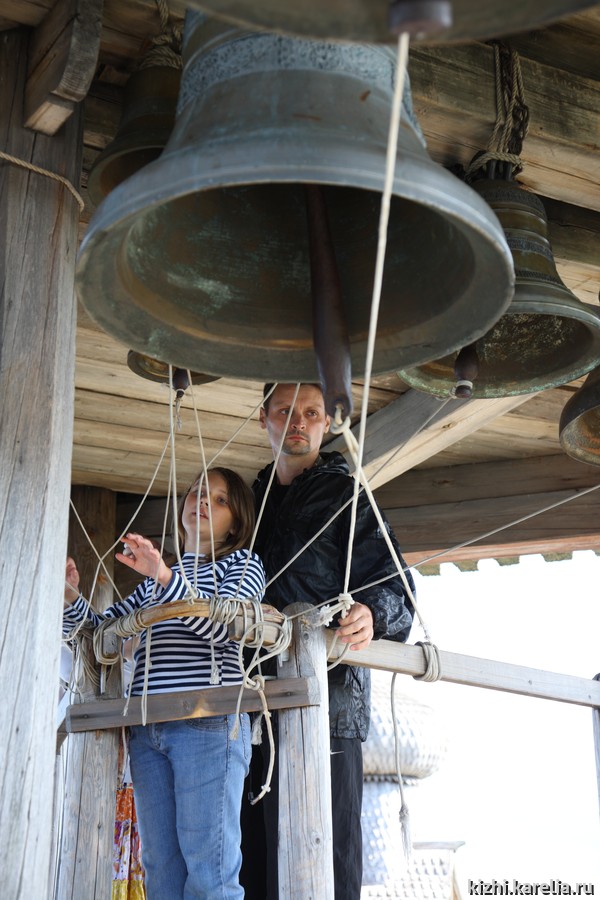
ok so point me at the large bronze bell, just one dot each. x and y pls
(145, 127)
(201, 258)
(579, 426)
(375, 20)
(546, 338)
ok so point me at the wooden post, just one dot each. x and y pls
(84, 867)
(596, 720)
(38, 243)
(305, 842)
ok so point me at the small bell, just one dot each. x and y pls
(155, 370)
(546, 337)
(579, 427)
(146, 123)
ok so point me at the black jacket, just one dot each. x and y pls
(292, 516)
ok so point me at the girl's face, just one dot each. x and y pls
(195, 514)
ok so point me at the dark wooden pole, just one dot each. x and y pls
(38, 243)
(305, 843)
(84, 864)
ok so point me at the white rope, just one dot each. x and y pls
(360, 477)
(392, 145)
(404, 815)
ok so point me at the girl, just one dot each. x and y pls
(188, 775)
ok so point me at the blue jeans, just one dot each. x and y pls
(188, 779)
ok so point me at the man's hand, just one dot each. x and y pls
(141, 554)
(356, 628)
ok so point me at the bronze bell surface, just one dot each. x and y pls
(377, 20)
(547, 336)
(145, 127)
(579, 427)
(201, 258)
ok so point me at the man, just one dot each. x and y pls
(309, 487)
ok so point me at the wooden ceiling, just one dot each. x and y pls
(445, 474)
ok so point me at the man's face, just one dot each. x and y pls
(308, 422)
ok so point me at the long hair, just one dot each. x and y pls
(241, 505)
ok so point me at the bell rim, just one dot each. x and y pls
(356, 168)
(502, 279)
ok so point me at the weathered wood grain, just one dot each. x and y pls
(91, 776)
(218, 701)
(62, 59)
(416, 426)
(305, 841)
(37, 351)
(409, 659)
(453, 93)
(425, 530)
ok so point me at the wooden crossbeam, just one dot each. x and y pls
(416, 426)
(281, 693)
(287, 693)
(409, 659)
(62, 60)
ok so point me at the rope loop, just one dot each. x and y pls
(433, 670)
(339, 425)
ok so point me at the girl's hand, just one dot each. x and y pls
(71, 582)
(141, 555)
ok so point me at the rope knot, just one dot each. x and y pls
(433, 669)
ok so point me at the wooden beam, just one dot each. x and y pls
(281, 693)
(454, 98)
(416, 426)
(409, 659)
(305, 864)
(91, 760)
(489, 524)
(38, 242)
(63, 54)
(435, 510)
(486, 481)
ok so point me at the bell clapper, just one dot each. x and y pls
(330, 331)
(420, 18)
(466, 369)
(180, 382)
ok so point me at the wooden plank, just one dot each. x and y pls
(38, 242)
(485, 481)
(596, 726)
(409, 659)
(105, 409)
(453, 95)
(86, 837)
(416, 426)
(62, 59)
(305, 864)
(424, 531)
(130, 471)
(216, 701)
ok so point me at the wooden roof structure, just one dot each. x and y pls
(480, 464)
(445, 476)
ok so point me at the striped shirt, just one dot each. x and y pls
(180, 648)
